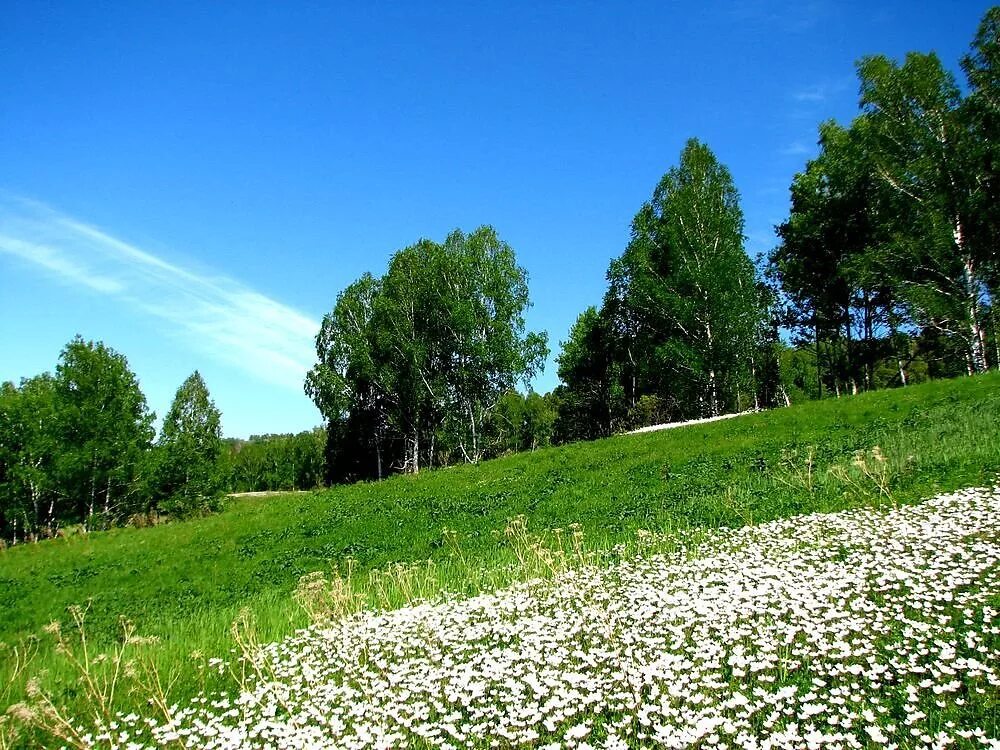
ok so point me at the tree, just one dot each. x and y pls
(685, 326)
(273, 462)
(687, 291)
(982, 111)
(591, 399)
(982, 107)
(104, 429)
(889, 258)
(835, 262)
(188, 450)
(411, 365)
(482, 294)
(353, 385)
(539, 416)
(30, 505)
(520, 423)
(922, 147)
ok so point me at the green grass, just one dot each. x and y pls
(186, 582)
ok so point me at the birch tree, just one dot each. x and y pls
(836, 263)
(428, 349)
(30, 502)
(104, 429)
(188, 450)
(689, 285)
(352, 385)
(591, 397)
(923, 149)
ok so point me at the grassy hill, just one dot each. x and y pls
(186, 582)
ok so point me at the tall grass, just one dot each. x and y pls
(468, 529)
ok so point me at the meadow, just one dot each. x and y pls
(841, 630)
(470, 529)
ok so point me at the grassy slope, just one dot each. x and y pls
(611, 487)
(185, 581)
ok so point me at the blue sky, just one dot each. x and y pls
(193, 183)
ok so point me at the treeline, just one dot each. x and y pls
(418, 368)
(886, 273)
(274, 462)
(888, 261)
(78, 448)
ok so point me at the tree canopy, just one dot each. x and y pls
(412, 365)
(889, 254)
(681, 329)
(189, 448)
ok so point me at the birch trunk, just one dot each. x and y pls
(107, 498)
(475, 437)
(996, 334)
(93, 494)
(784, 395)
(977, 338)
(36, 504)
(819, 373)
(415, 452)
(713, 392)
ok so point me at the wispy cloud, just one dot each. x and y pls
(218, 315)
(785, 15)
(822, 92)
(811, 94)
(796, 148)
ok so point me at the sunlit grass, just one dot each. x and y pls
(187, 582)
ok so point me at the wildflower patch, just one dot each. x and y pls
(857, 629)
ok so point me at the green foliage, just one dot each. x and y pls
(188, 451)
(591, 399)
(831, 264)
(520, 423)
(684, 322)
(888, 261)
(411, 365)
(266, 463)
(29, 502)
(925, 152)
(688, 285)
(76, 452)
(982, 111)
(103, 430)
(74, 447)
(187, 581)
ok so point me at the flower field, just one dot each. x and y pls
(863, 628)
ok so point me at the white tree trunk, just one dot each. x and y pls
(415, 452)
(472, 427)
(996, 334)
(977, 338)
(784, 395)
(713, 388)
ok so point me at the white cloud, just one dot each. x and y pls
(812, 94)
(223, 317)
(823, 91)
(796, 148)
(788, 16)
(53, 260)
